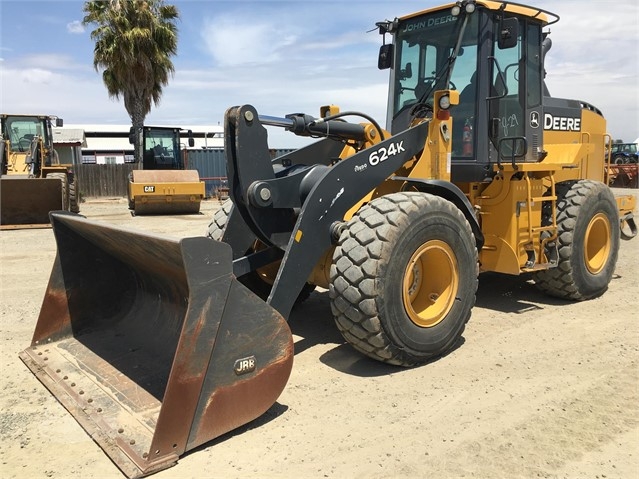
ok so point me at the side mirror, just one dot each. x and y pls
(508, 33)
(59, 122)
(385, 59)
(131, 136)
(191, 140)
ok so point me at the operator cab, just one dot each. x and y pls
(493, 57)
(161, 147)
(30, 138)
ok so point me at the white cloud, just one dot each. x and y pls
(232, 42)
(75, 27)
(36, 75)
(594, 58)
(51, 61)
(75, 97)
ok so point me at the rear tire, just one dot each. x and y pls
(588, 242)
(404, 278)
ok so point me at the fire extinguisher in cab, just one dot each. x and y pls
(467, 139)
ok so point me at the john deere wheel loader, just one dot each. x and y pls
(33, 180)
(157, 345)
(163, 185)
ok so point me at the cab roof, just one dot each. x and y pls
(544, 16)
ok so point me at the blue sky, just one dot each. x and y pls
(286, 56)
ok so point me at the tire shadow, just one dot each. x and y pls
(512, 294)
(312, 321)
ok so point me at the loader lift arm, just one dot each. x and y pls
(266, 203)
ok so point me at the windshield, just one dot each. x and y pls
(625, 148)
(424, 46)
(161, 149)
(21, 131)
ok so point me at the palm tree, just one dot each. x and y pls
(134, 42)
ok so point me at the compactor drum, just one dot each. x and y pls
(165, 192)
(157, 345)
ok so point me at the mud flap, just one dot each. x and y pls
(26, 202)
(152, 344)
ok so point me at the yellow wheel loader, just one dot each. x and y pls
(163, 185)
(157, 345)
(33, 182)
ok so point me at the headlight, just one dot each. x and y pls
(468, 5)
(444, 102)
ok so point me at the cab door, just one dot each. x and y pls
(516, 126)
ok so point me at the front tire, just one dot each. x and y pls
(74, 206)
(260, 281)
(404, 278)
(588, 241)
(65, 188)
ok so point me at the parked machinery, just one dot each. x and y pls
(33, 180)
(163, 185)
(156, 346)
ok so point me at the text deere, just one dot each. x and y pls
(561, 123)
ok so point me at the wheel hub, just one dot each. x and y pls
(597, 243)
(431, 282)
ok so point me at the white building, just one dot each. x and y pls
(108, 144)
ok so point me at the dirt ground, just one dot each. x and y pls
(539, 387)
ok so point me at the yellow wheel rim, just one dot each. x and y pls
(597, 243)
(431, 281)
(269, 272)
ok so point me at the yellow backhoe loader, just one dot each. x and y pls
(158, 345)
(163, 185)
(33, 182)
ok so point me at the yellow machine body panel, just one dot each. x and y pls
(513, 8)
(166, 191)
(580, 154)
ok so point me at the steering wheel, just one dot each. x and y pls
(24, 143)
(425, 85)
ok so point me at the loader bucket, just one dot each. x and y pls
(152, 344)
(26, 202)
(156, 192)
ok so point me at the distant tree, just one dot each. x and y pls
(134, 43)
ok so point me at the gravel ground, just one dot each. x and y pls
(539, 387)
